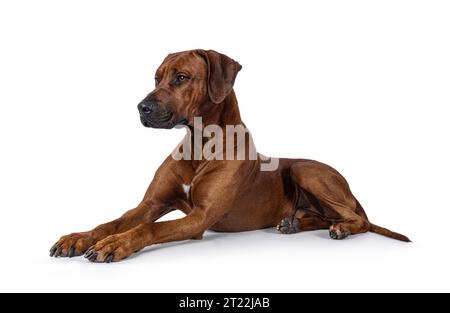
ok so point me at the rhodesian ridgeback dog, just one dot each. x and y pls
(218, 194)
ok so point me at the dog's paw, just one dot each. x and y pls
(111, 249)
(289, 225)
(338, 232)
(72, 245)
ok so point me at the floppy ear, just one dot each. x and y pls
(222, 72)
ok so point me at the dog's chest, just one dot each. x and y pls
(186, 189)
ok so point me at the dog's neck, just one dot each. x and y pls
(230, 111)
(222, 114)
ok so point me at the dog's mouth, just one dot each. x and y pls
(155, 115)
(166, 121)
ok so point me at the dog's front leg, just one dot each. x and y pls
(120, 246)
(76, 244)
(160, 198)
(209, 207)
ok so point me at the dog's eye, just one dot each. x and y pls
(156, 81)
(181, 78)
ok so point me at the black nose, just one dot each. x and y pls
(146, 106)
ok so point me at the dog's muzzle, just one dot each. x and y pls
(157, 116)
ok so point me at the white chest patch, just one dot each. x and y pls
(186, 189)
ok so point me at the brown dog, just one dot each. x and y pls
(218, 194)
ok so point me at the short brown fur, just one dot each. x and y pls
(224, 195)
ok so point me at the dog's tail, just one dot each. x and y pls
(386, 232)
(377, 229)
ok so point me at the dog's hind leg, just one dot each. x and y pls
(302, 222)
(332, 192)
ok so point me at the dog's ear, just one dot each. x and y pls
(222, 72)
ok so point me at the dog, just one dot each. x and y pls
(215, 193)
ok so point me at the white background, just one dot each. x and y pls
(361, 85)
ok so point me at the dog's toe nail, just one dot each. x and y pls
(109, 258)
(71, 252)
(93, 257)
(88, 252)
(58, 251)
(54, 249)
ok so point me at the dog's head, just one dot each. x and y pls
(188, 84)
